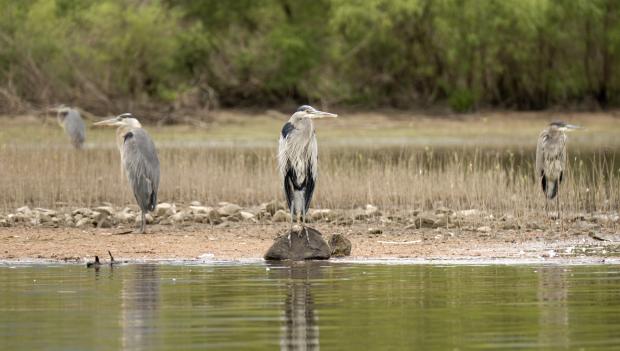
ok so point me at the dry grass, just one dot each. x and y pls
(494, 178)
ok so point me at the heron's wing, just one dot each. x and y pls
(142, 167)
(312, 171)
(283, 148)
(540, 153)
(74, 126)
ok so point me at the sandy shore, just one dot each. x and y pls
(250, 241)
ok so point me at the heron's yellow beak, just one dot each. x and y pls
(321, 114)
(570, 127)
(108, 122)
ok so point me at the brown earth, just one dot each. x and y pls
(240, 241)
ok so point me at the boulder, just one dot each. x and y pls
(125, 216)
(109, 210)
(274, 206)
(425, 220)
(148, 219)
(484, 229)
(178, 217)
(84, 222)
(195, 203)
(300, 243)
(372, 211)
(281, 216)
(317, 215)
(375, 231)
(246, 215)
(24, 210)
(200, 209)
(214, 217)
(164, 209)
(340, 246)
(229, 210)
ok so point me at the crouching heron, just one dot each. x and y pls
(298, 158)
(139, 160)
(551, 159)
(71, 121)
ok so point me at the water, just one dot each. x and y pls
(310, 306)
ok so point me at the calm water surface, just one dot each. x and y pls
(309, 306)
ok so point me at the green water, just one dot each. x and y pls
(310, 306)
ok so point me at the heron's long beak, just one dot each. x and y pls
(108, 122)
(321, 114)
(571, 127)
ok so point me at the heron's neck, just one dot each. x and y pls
(120, 135)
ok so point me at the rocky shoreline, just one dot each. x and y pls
(227, 231)
(224, 214)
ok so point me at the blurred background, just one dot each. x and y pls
(440, 102)
(179, 55)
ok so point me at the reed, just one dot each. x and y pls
(395, 178)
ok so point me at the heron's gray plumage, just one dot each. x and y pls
(72, 123)
(551, 159)
(298, 159)
(138, 159)
(142, 167)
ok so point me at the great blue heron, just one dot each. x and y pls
(139, 160)
(551, 159)
(71, 121)
(297, 159)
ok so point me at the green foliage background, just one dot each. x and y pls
(465, 54)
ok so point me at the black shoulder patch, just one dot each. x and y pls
(288, 127)
(127, 136)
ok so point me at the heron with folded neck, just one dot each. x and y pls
(298, 160)
(551, 159)
(138, 159)
(70, 120)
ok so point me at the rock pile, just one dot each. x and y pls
(225, 213)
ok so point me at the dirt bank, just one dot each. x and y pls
(249, 241)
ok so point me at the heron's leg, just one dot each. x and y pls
(557, 200)
(290, 229)
(142, 222)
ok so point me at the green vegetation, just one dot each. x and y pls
(125, 54)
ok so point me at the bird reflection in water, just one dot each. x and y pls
(140, 302)
(553, 307)
(300, 329)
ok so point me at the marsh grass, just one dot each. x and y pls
(499, 180)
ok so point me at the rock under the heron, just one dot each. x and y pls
(340, 245)
(301, 243)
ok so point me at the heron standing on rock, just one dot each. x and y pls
(139, 160)
(298, 158)
(551, 159)
(71, 121)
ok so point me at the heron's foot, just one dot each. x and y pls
(307, 235)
